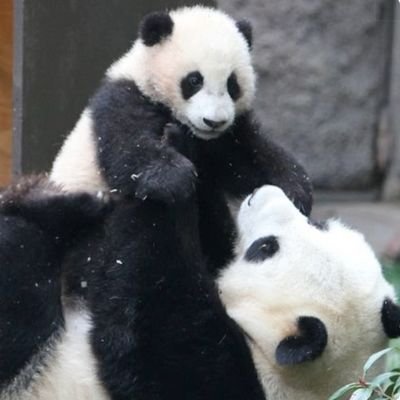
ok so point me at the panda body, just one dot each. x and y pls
(173, 116)
(64, 368)
(44, 344)
(273, 324)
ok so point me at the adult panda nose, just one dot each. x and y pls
(214, 124)
(307, 345)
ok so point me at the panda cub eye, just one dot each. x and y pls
(233, 87)
(191, 84)
(261, 249)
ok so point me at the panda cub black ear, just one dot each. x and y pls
(155, 27)
(246, 30)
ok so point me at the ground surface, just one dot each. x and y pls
(379, 222)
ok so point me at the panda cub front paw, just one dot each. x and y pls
(179, 137)
(170, 182)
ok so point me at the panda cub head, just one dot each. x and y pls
(205, 76)
(312, 301)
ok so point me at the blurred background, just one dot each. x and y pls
(328, 89)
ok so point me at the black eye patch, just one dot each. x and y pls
(261, 249)
(233, 87)
(191, 84)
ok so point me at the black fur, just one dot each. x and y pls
(160, 330)
(132, 156)
(261, 249)
(307, 345)
(136, 159)
(390, 316)
(191, 84)
(38, 224)
(155, 27)
(246, 30)
(233, 87)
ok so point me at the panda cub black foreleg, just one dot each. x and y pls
(160, 330)
(133, 158)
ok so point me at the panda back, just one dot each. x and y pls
(66, 370)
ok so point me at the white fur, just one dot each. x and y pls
(76, 167)
(68, 370)
(332, 275)
(205, 40)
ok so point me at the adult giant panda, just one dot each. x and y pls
(293, 317)
(189, 79)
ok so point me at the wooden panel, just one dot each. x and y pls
(5, 89)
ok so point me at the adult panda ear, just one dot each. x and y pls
(390, 316)
(307, 345)
(246, 30)
(155, 27)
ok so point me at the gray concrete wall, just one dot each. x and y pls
(322, 78)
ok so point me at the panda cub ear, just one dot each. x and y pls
(155, 27)
(246, 30)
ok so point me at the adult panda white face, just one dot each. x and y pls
(197, 62)
(312, 302)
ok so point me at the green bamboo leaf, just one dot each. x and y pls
(375, 357)
(382, 378)
(396, 387)
(344, 390)
(362, 394)
(388, 389)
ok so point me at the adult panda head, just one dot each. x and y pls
(205, 76)
(312, 302)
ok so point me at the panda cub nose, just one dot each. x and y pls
(213, 124)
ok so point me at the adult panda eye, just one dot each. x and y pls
(191, 84)
(261, 249)
(233, 87)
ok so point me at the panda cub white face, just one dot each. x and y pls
(312, 302)
(201, 70)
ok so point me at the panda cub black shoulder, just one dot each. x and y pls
(191, 68)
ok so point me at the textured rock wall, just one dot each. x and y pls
(322, 67)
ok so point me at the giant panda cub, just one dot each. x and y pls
(294, 316)
(174, 115)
